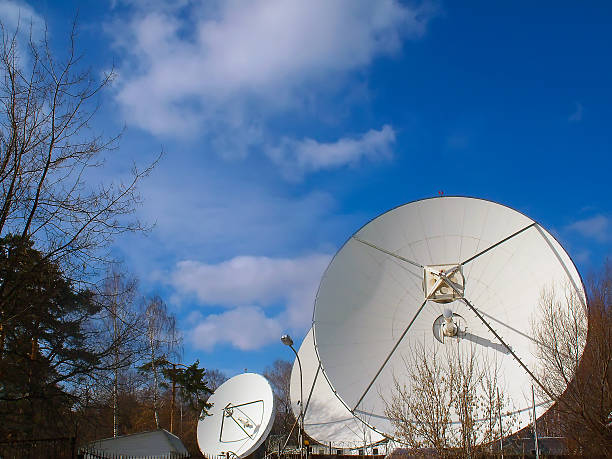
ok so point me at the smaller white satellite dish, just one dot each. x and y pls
(240, 419)
(326, 419)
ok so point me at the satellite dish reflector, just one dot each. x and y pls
(441, 274)
(326, 419)
(240, 418)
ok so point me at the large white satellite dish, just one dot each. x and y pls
(326, 419)
(433, 273)
(240, 419)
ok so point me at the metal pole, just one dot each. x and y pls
(286, 340)
(115, 371)
(535, 431)
(301, 431)
(501, 428)
(289, 436)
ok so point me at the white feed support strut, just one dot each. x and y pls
(449, 328)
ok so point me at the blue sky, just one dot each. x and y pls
(287, 125)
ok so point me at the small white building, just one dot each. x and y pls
(155, 443)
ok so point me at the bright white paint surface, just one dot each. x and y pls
(326, 418)
(367, 298)
(253, 412)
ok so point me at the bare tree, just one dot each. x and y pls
(466, 377)
(446, 400)
(421, 408)
(47, 148)
(575, 358)
(48, 151)
(215, 378)
(163, 344)
(279, 376)
(493, 403)
(121, 326)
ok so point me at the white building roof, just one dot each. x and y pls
(151, 443)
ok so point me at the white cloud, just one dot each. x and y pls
(577, 115)
(23, 19)
(299, 156)
(598, 227)
(189, 70)
(214, 210)
(245, 328)
(225, 215)
(263, 281)
(18, 14)
(247, 285)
